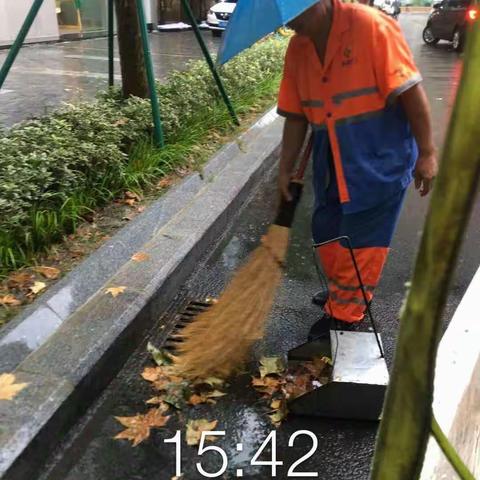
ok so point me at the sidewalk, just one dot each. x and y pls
(44, 76)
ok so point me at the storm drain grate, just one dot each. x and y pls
(183, 318)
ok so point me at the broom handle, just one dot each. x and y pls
(303, 164)
(286, 210)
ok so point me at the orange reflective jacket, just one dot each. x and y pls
(350, 103)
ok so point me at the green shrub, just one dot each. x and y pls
(55, 169)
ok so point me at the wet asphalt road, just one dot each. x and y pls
(45, 75)
(345, 447)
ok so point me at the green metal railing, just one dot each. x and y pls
(13, 52)
(157, 121)
(211, 64)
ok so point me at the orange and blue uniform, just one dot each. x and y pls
(364, 151)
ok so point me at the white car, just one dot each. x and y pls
(219, 15)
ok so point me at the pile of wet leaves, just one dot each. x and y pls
(274, 380)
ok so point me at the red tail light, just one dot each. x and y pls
(472, 14)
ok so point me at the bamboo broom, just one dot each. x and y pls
(218, 341)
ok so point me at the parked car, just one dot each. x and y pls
(450, 20)
(390, 7)
(219, 15)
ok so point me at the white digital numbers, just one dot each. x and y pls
(269, 444)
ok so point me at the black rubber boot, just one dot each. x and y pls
(320, 298)
(360, 326)
(321, 328)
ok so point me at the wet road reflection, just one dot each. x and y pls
(44, 76)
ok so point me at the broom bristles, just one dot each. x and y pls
(218, 341)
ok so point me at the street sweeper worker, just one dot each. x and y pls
(349, 75)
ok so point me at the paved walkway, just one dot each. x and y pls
(45, 75)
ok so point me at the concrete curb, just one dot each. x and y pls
(68, 371)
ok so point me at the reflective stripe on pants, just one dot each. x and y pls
(345, 301)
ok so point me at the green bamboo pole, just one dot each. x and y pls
(407, 416)
(208, 58)
(449, 452)
(111, 65)
(157, 121)
(15, 48)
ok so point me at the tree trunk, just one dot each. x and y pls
(134, 78)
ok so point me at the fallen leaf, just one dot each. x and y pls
(8, 388)
(10, 300)
(160, 356)
(196, 399)
(131, 202)
(271, 366)
(21, 279)
(195, 429)
(139, 426)
(115, 291)
(176, 394)
(277, 418)
(48, 272)
(132, 195)
(276, 404)
(165, 182)
(140, 257)
(140, 209)
(317, 366)
(267, 385)
(214, 381)
(37, 287)
(327, 360)
(205, 397)
(158, 401)
(152, 374)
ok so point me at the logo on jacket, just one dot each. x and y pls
(347, 57)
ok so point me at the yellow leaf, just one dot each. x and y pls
(276, 404)
(37, 287)
(140, 257)
(195, 429)
(271, 365)
(277, 417)
(10, 300)
(48, 272)
(138, 427)
(115, 291)
(8, 387)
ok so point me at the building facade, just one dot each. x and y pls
(60, 19)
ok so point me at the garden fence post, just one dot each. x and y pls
(157, 121)
(208, 58)
(13, 52)
(111, 69)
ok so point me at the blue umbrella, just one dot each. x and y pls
(253, 19)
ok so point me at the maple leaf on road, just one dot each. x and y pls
(195, 429)
(139, 426)
(8, 388)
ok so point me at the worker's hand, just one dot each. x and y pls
(283, 183)
(425, 171)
